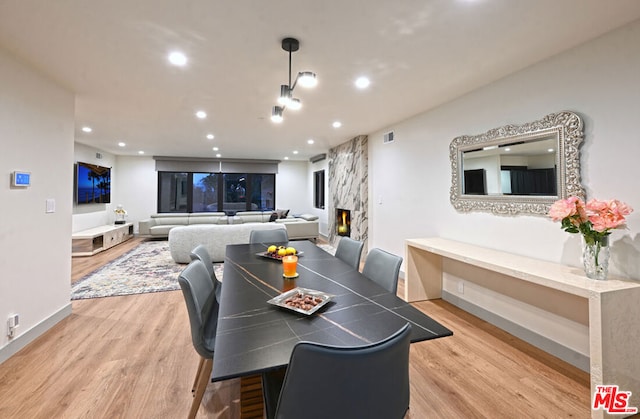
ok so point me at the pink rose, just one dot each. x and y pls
(620, 207)
(607, 215)
(564, 208)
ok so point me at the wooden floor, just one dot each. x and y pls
(132, 357)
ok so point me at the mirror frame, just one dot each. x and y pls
(568, 130)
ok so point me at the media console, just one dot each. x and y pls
(612, 309)
(95, 240)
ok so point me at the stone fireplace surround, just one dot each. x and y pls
(348, 188)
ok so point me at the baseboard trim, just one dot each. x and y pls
(32, 334)
(556, 349)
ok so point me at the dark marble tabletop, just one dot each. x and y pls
(254, 336)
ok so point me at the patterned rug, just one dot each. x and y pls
(145, 268)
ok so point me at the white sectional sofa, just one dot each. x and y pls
(298, 228)
(159, 225)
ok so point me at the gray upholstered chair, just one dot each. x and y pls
(269, 236)
(201, 253)
(202, 306)
(383, 268)
(350, 251)
(370, 381)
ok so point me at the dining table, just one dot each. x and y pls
(254, 336)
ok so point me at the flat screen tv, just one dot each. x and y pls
(93, 184)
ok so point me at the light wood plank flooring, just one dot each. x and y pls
(131, 357)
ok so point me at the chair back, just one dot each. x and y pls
(383, 268)
(202, 306)
(269, 236)
(350, 251)
(201, 253)
(369, 381)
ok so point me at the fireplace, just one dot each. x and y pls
(343, 222)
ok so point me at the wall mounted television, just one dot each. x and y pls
(93, 184)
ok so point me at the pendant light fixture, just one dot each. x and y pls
(304, 78)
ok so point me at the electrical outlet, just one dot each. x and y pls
(460, 287)
(12, 323)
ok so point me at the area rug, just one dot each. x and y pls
(145, 268)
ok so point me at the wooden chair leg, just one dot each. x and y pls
(195, 380)
(201, 386)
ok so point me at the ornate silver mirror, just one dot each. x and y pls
(518, 168)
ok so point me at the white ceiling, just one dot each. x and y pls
(417, 53)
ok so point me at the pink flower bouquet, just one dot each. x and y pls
(594, 220)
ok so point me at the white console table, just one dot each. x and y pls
(94, 240)
(613, 305)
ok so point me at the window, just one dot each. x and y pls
(263, 191)
(205, 192)
(318, 189)
(213, 192)
(235, 192)
(173, 193)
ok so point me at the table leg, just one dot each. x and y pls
(251, 402)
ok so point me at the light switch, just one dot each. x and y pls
(51, 205)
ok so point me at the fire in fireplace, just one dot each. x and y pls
(343, 222)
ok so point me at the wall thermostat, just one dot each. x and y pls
(21, 179)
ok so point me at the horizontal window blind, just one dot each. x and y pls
(202, 165)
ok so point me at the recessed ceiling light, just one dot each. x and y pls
(362, 83)
(210, 136)
(507, 149)
(140, 152)
(550, 150)
(87, 129)
(215, 149)
(286, 158)
(295, 151)
(177, 58)
(201, 114)
(121, 144)
(218, 155)
(337, 124)
(310, 141)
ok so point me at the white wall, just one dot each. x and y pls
(598, 80)
(292, 187)
(135, 186)
(36, 133)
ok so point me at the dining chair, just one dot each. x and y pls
(269, 236)
(383, 268)
(369, 381)
(202, 307)
(350, 251)
(201, 253)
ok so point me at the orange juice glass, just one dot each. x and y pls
(289, 265)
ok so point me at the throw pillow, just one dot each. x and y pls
(309, 217)
(274, 216)
(282, 213)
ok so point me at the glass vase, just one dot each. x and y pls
(595, 257)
